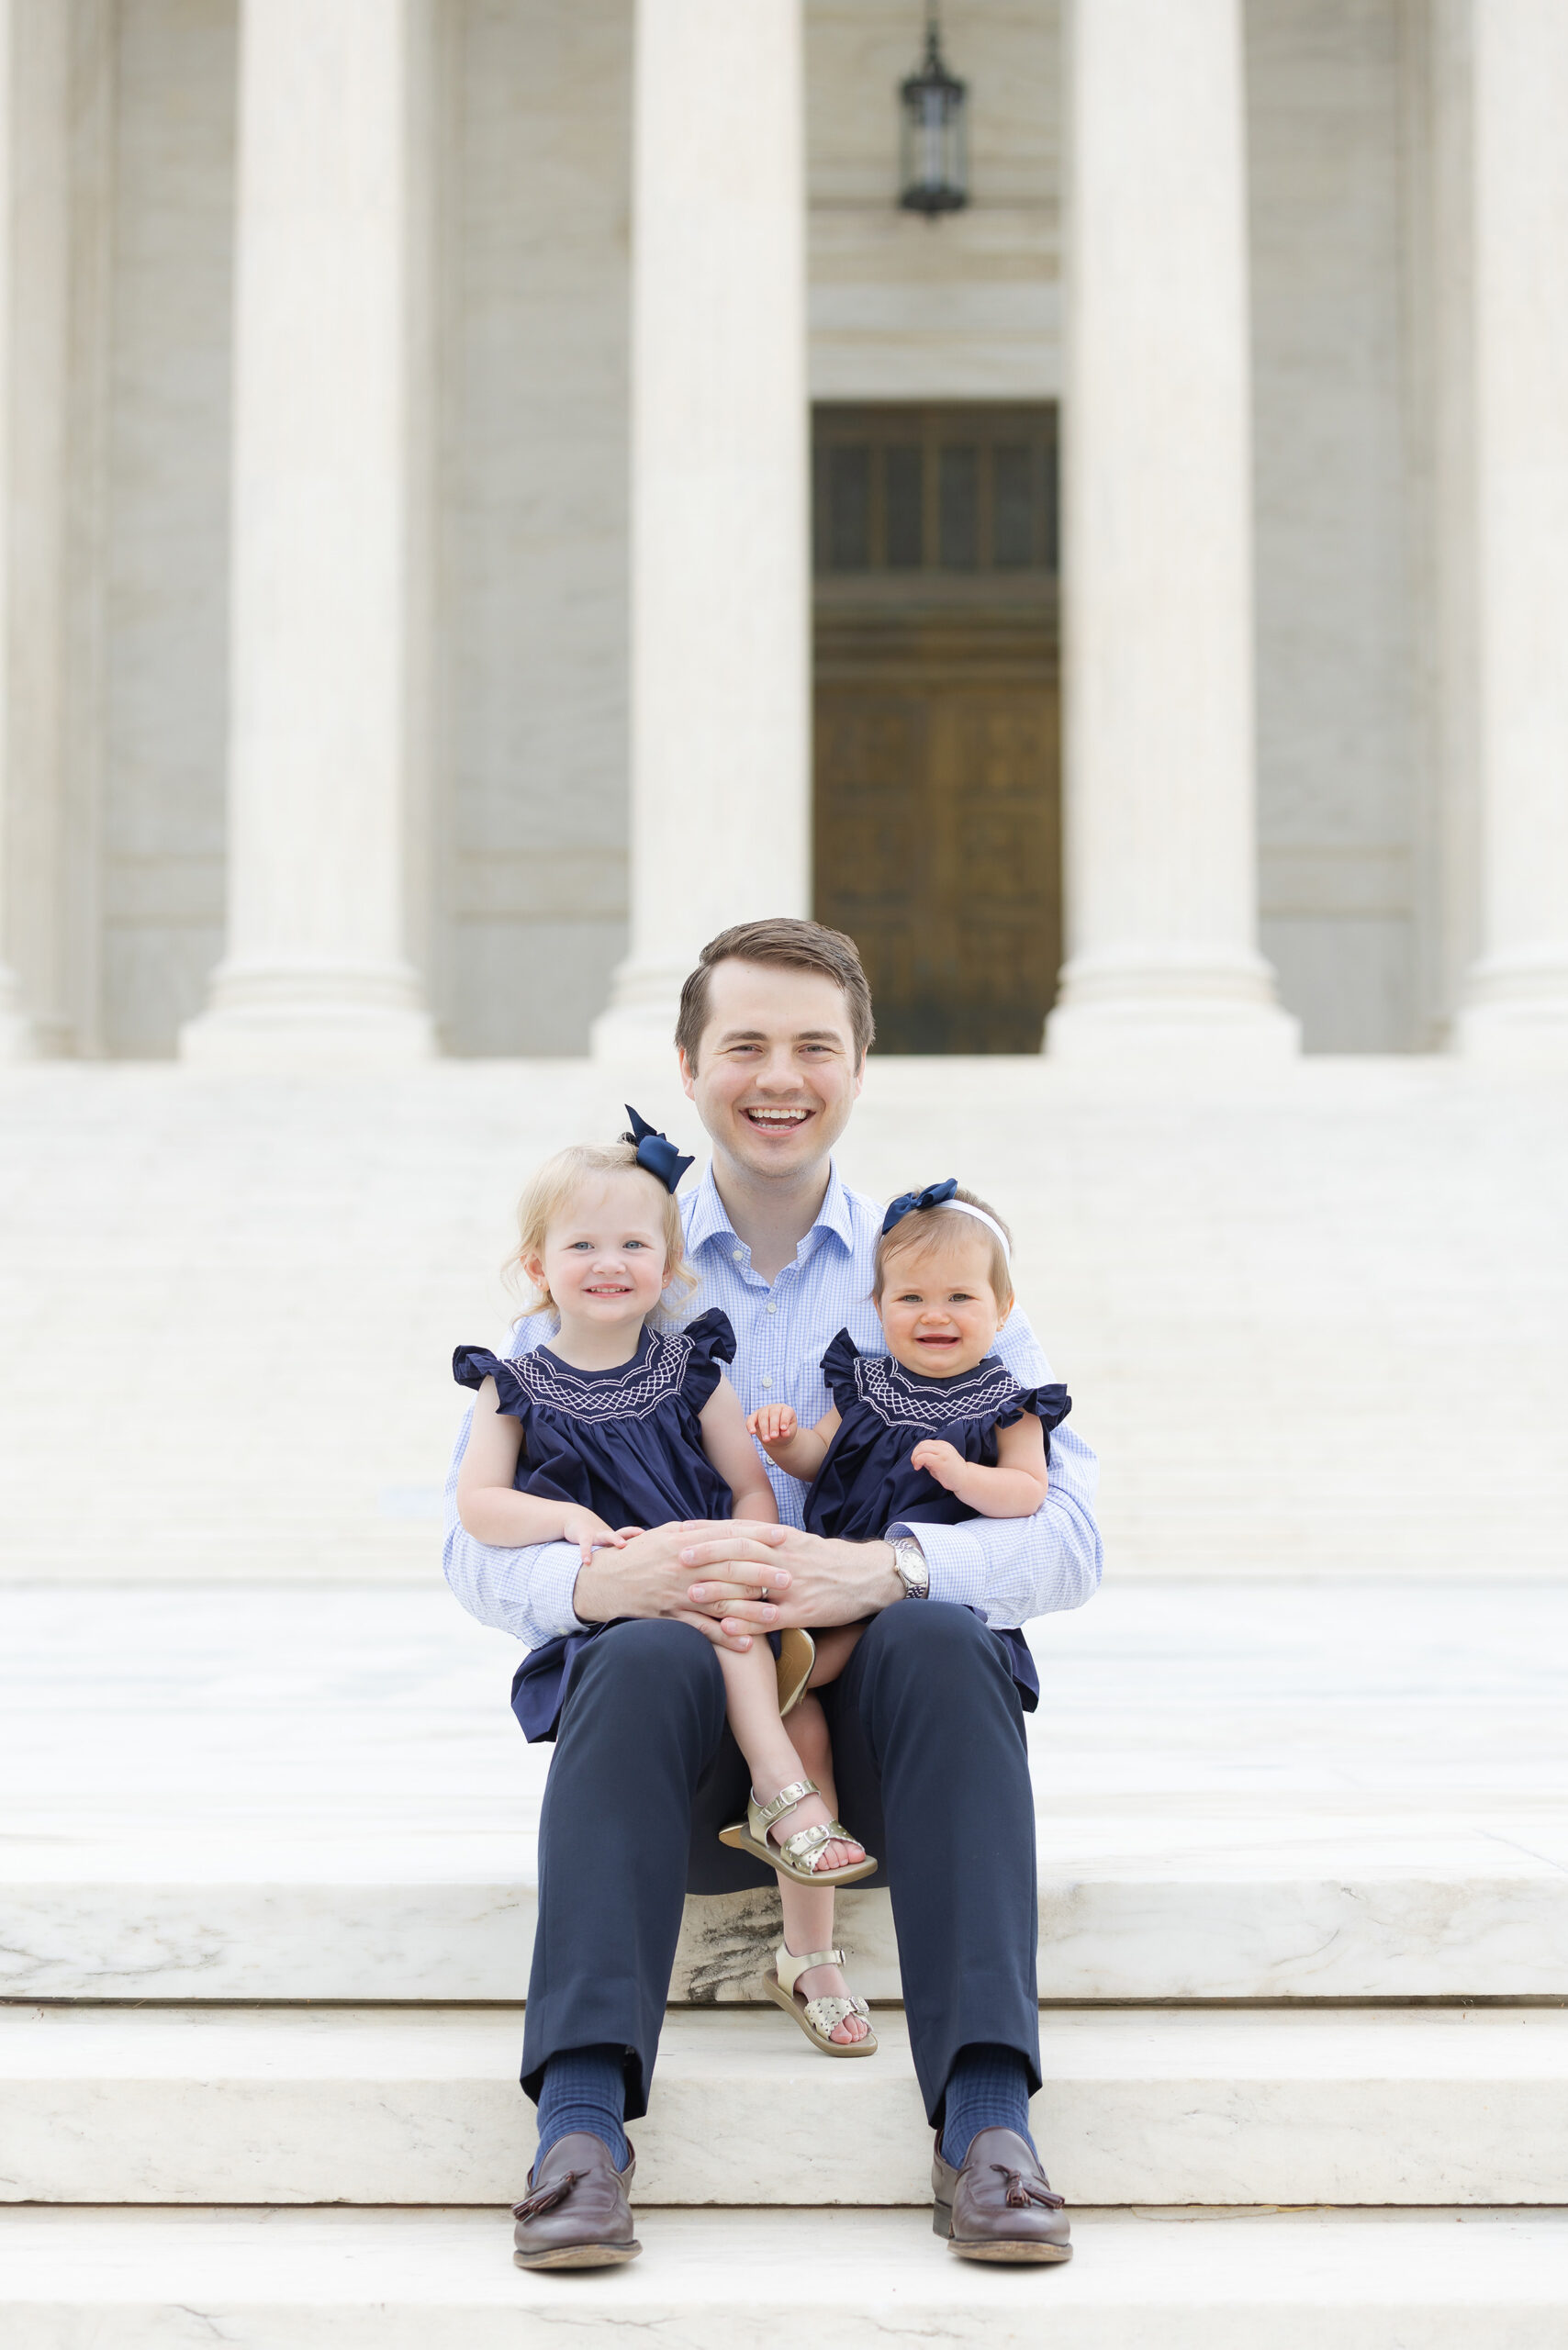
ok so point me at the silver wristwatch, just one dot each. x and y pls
(909, 1564)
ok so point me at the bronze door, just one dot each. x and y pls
(937, 718)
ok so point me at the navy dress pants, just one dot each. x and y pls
(932, 1772)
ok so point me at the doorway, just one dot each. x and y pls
(937, 716)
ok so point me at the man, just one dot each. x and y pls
(927, 1725)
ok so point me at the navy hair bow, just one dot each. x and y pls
(931, 1197)
(656, 1152)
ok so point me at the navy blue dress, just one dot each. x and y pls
(866, 1482)
(625, 1443)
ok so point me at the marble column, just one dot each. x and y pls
(35, 246)
(1161, 857)
(328, 622)
(720, 734)
(1515, 1004)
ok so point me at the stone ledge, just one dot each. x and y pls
(1331, 1909)
(732, 2280)
(1167, 2106)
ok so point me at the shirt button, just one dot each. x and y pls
(768, 1383)
(737, 1254)
(773, 1309)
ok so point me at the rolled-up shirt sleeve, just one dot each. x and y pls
(1011, 1569)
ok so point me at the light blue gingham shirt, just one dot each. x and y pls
(1008, 1568)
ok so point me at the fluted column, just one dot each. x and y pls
(1516, 998)
(326, 725)
(720, 757)
(1161, 856)
(34, 236)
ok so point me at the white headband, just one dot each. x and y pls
(980, 1216)
(964, 1208)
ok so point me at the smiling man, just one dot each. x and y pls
(927, 1718)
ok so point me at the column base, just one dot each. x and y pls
(288, 1020)
(1195, 1013)
(636, 1029)
(20, 1036)
(1516, 1011)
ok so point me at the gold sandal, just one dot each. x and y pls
(792, 1858)
(797, 1655)
(818, 2019)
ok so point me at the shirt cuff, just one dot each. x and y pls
(550, 1588)
(956, 1562)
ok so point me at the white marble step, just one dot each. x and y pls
(774, 2280)
(265, 1793)
(1144, 1909)
(1160, 2106)
(1275, 1301)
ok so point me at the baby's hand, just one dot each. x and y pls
(590, 1533)
(775, 1424)
(943, 1461)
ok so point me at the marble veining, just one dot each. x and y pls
(439, 2280)
(1163, 2105)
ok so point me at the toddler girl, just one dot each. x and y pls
(935, 1430)
(616, 1427)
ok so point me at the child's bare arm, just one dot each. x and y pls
(1014, 1488)
(490, 1509)
(799, 1452)
(734, 1455)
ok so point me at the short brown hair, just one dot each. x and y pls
(788, 944)
(924, 1229)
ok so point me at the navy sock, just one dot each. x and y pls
(585, 2088)
(988, 2088)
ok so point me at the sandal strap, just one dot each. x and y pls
(799, 1848)
(791, 1968)
(827, 2013)
(765, 1814)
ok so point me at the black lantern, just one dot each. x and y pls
(933, 149)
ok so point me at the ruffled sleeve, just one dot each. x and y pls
(471, 1366)
(1050, 1406)
(838, 1370)
(711, 1341)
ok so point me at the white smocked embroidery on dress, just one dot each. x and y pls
(901, 1402)
(1007, 1568)
(635, 1395)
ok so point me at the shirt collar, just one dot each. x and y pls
(710, 1218)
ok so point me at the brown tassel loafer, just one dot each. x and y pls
(1001, 2205)
(577, 2211)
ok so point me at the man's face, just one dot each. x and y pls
(775, 1075)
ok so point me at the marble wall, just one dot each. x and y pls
(160, 822)
(967, 307)
(1339, 784)
(530, 816)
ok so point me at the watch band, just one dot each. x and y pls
(911, 1567)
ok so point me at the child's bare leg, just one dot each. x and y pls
(807, 1910)
(751, 1688)
(834, 1648)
